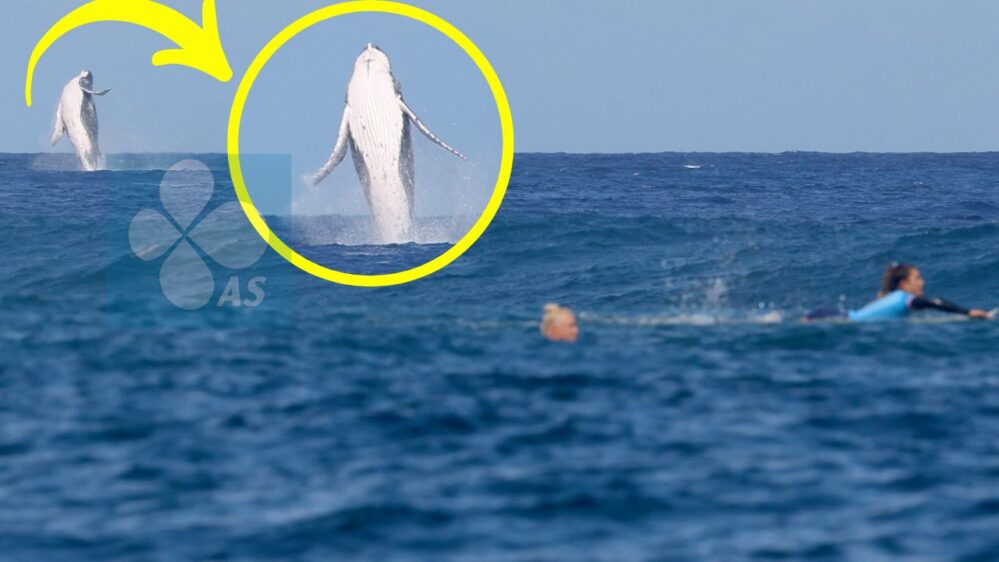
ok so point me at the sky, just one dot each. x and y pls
(582, 76)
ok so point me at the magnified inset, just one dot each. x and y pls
(418, 111)
(377, 126)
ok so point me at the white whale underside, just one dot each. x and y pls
(77, 118)
(376, 126)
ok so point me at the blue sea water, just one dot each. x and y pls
(695, 419)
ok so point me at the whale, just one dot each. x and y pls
(77, 118)
(377, 127)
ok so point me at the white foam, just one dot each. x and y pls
(685, 319)
(346, 230)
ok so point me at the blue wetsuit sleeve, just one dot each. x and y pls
(924, 303)
(893, 306)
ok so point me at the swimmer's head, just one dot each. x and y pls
(558, 323)
(904, 277)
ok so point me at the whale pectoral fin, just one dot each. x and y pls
(93, 93)
(60, 127)
(426, 131)
(339, 149)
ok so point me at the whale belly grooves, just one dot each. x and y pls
(377, 127)
(378, 136)
(77, 119)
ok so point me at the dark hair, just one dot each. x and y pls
(895, 273)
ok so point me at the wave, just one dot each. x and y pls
(634, 264)
(586, 231)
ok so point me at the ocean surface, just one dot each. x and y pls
(696, 418)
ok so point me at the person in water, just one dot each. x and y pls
(902, 293)
(558, 323)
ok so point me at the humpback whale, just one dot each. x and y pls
(77, 116)
(376, 125)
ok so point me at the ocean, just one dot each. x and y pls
(286, 418)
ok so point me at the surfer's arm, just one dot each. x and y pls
(933, 303)
(426, 131)
(339, 149)
(93, 93)
(927, 303)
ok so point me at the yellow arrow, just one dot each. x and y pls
(198, 47)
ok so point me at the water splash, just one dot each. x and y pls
(346, 230)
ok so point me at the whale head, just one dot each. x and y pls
(372, 59)
(87, 79)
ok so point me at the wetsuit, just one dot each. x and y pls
(897, 304)
(893, 306)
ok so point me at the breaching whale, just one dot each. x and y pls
(376, 124)
(77, 116)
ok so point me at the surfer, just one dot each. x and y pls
(901, 293)
(558, 323)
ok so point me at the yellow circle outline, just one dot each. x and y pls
(506, 162)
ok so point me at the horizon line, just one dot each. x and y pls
(554, 153)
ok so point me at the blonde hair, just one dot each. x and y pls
(550, 313)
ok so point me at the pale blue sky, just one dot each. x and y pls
(582, 76)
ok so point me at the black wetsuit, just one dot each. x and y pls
(933, 303)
